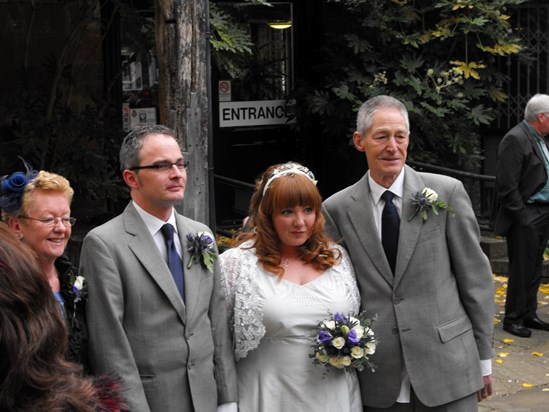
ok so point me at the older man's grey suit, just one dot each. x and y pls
(172, 356)
(435, 315)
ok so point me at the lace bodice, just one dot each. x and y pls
(240, 270)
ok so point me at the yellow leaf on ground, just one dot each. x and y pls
(503, 354)
(500, 361)
(528, 385)
(544, 289)
(537, 354)
(508, 340)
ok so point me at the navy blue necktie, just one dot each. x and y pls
(390, 222)
(174, 261)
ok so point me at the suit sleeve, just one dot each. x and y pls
(330, 227)
(109, 347)
(225, 373)
(472, 270)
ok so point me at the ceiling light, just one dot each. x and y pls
(280, 25)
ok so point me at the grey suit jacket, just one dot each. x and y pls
(172, 356)
(435, 316)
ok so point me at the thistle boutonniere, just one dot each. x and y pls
(201, 248)
(425, 200)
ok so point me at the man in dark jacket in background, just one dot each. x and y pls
(522, 213)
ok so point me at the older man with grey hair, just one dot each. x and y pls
(522, 213)
(420, 269)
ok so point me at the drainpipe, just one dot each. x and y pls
(211, 178)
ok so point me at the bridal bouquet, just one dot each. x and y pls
(345, 342)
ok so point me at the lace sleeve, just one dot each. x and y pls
(229, 263)
(346, 272)
(239, 268)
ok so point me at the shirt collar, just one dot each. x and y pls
(153, 223)
(532, 130)
(376, 190)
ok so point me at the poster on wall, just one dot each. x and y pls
(142, 117)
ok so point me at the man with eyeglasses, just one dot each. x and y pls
(521, 213)
(154, 317)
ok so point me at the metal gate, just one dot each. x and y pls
(529, 72)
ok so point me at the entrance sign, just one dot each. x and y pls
(255, 113)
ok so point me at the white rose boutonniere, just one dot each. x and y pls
(201, 248)
(77, 288)
(76, 291)
(425, 200)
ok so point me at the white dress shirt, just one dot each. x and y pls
(154, 225)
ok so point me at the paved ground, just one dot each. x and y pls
(521, 366)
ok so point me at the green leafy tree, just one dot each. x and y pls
(230, 43)
(437, 56)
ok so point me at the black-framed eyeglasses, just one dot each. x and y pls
(52, 221)
(163, 166)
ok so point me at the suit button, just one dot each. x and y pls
(394, 330)
(396, 300)
(190, 365)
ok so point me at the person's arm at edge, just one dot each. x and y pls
(225, 370)
(474, 280)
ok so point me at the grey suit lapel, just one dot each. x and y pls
(409, 230)
(194, 274)
(146, 251)
(362, 218)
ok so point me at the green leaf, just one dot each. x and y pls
(479, 115)
(208, 258)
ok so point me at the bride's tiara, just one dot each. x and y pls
(289, 168)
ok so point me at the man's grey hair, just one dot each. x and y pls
(539, 103)
(133, 142)
(366, 111)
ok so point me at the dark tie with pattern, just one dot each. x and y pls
(174, 261)
(390, 223)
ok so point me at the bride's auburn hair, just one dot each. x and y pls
(287, 191)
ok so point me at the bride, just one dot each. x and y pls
(281, 281)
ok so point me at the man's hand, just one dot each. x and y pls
(486, 390)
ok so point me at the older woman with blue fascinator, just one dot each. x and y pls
(36, 207)
(282, 280)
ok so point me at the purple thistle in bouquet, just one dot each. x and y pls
(345, 342)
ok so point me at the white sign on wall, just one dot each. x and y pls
(142, 117)
(224, 87)
(254, 113)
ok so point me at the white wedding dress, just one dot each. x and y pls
(274, 323)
